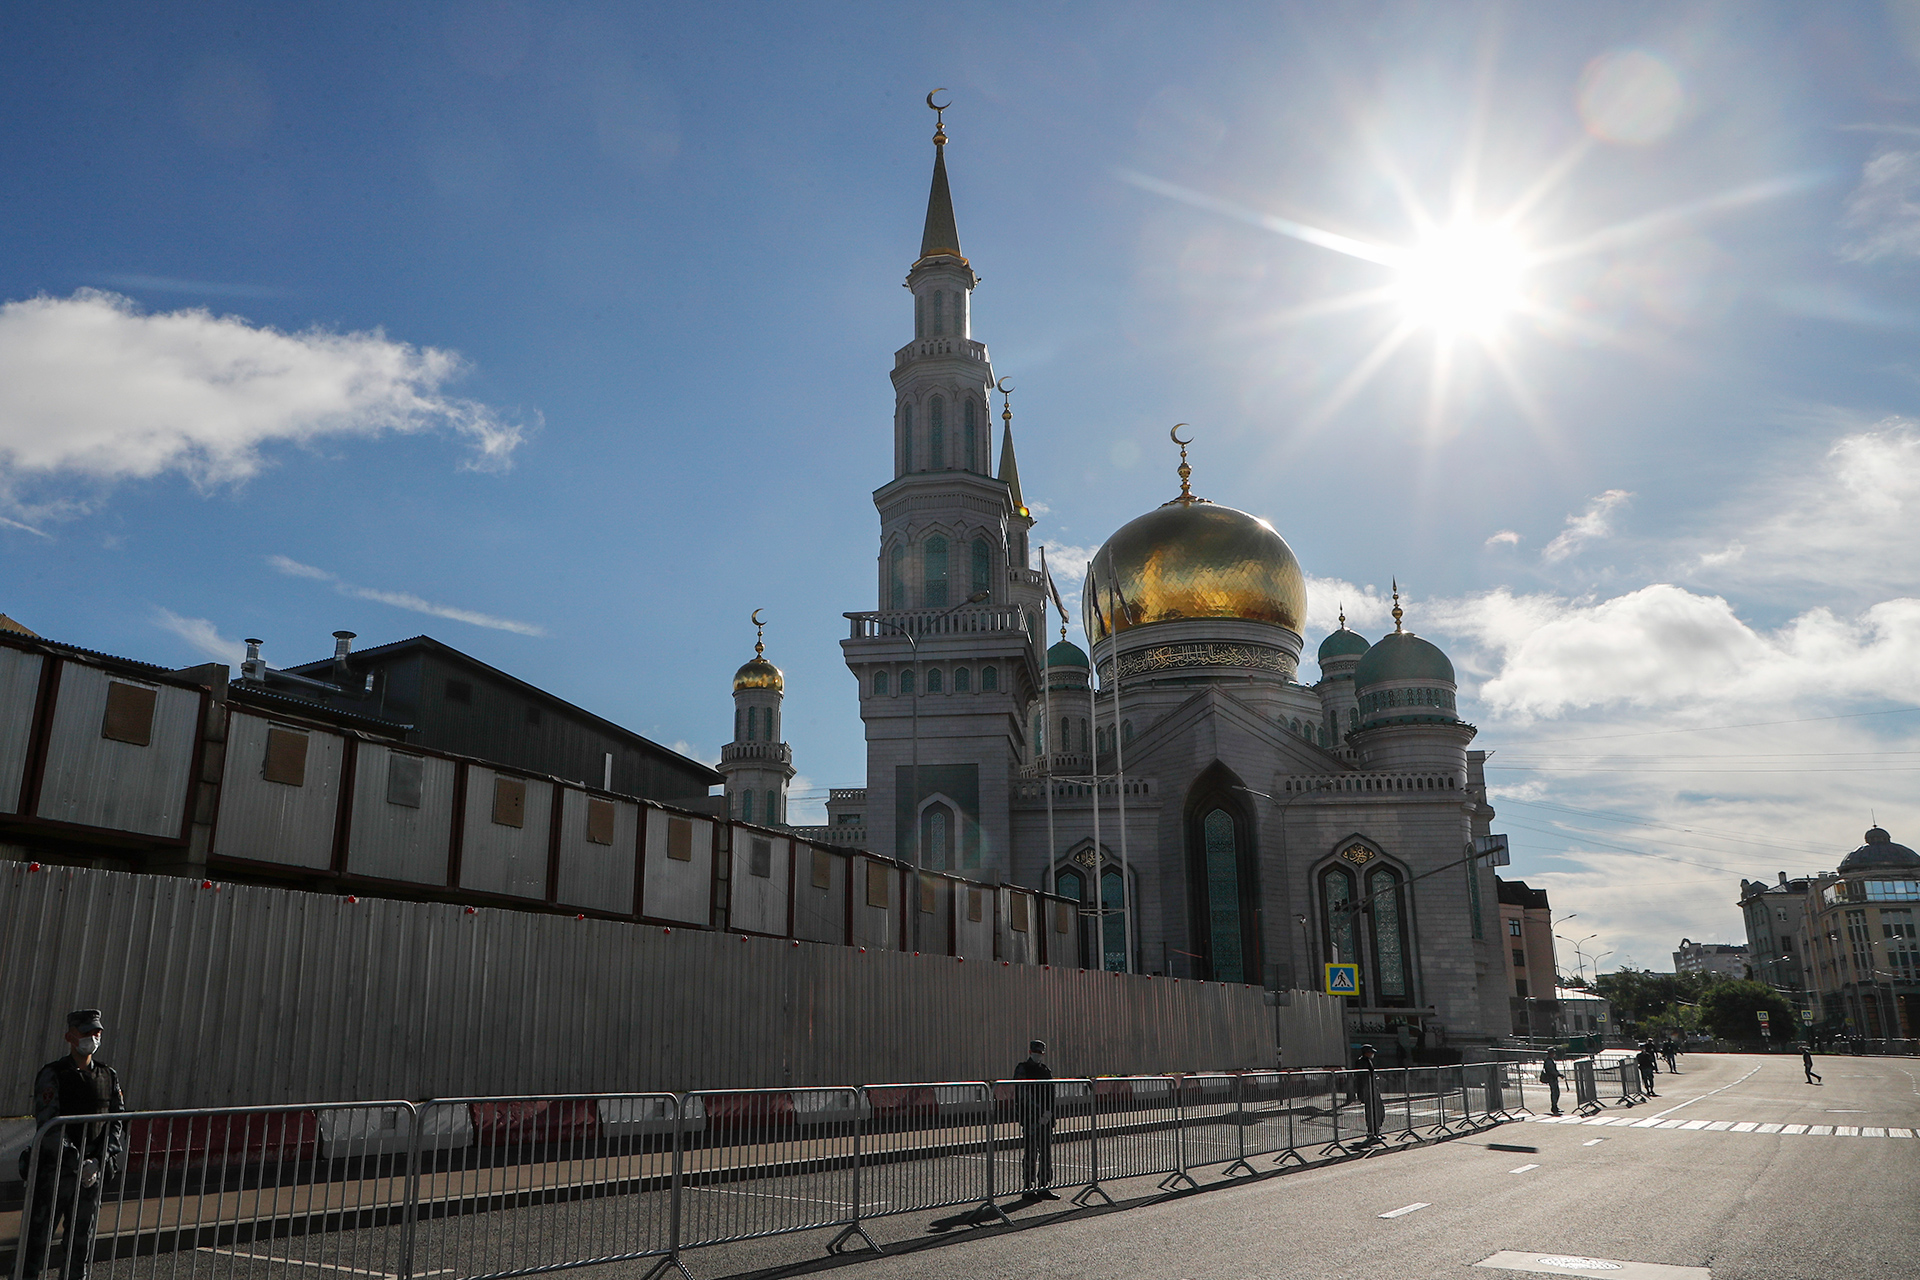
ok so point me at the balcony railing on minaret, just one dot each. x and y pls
(763, 752)
(938, 622)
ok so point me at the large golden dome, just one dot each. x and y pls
(1193, 559)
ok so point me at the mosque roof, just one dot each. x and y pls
(1402, 655)
(1342, 644)
(1066, 654)
(758, 673)
(1880, 853)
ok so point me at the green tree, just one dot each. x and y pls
(1730, 1011)
(1639, 996)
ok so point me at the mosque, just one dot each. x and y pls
(1224, 820)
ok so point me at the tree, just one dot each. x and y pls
(1730, 1010)
(1639, 996)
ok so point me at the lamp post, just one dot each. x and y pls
(1578, 954)
(913, 705)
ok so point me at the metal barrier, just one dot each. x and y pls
(398, 1190)
(1586, 1089)
(1632, 1089)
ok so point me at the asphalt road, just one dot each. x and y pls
(1741, 1205)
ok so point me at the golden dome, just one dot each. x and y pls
(758, 673)
(1193, 559)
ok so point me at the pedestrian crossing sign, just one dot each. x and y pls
(1343, 979)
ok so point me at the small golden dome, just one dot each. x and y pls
(1194, 559)
(758, 673)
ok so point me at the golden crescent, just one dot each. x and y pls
(942, 106)
(756, 619)
(1174, 434)
(1002, 387)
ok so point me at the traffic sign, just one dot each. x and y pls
(1343, 979)
(1762, 1015)
(1806, 1016)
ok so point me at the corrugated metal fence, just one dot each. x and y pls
(223, 995)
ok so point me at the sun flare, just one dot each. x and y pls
(1463, 279)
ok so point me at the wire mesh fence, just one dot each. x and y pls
(487, 1188)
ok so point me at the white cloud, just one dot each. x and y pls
(1506, 537)
(1068, 565)
(1884, 210)
(1588, 526)
(202, 635)
(404, 599)
(692, 752)
(93, 389)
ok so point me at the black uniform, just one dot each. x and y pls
(1033, 1107)
(1376, 1105)
(64, 1088)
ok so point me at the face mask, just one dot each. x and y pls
(88, 1045)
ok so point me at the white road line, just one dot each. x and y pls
(1523, 1168)
(1793, 1128)
(1745, 1126)
(1899, 1133)
(1847, 1131)
(1768, 1128)
(1593, 1142)
(1690, 1101)
(1820, 1130)
(1720, 1126)
(1694, 1124)
(1407, 1208)
(324, 1266)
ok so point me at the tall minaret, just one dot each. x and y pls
(953, 576)
(757, 765)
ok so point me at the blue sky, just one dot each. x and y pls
(561, 332)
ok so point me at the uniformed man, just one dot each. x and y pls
(1033, 1107)
(75, 1159)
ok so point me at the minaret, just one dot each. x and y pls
(758, 766)
(951, 658)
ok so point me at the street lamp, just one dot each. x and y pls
(1578, 954)
(913, 904)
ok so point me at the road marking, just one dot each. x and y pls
(1523, 1168)
(1572, 1264)
(1407, 1208)
(1694, 1124)
(1873, 1133)
(1794, 1128)
(1720, 1126)
(1745, 1126)
(324, 1266)
(1820, 1130)
(1593, 1142)
(1690, 1101)
(1768, 1128)
(1847, 1131)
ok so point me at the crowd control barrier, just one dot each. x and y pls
(488, 1188)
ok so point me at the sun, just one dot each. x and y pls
(1465, 279)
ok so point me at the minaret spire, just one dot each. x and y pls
(941, 237)
(1009, 465)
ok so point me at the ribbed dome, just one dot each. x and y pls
(1343, 644)
(1066, 654)
(758, 673)
(1402, 655)
(1880, 852)
(1193, 559)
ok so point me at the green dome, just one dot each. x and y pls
(1343, 644)
(1402, 655)
(1066, 654)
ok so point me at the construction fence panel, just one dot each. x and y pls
(1267, 1106)
(766, 1162)
(236, 1190)
(1139, 1126)
(1210, 1125)
(1045, 1135)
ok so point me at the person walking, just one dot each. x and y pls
(1550, 1077)
(1671, 1051)
(76, 1160)
(1033, 1107)
(1806, 1064)
(1645, 1059)
(1370, 1097)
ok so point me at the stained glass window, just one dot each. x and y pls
(1336, 890)
(1223, 898)
(746, 806)
(937, 839)
(906, 682)
(906, 437)
(989, 679)
(970, 459)
(879, 684)
(982, 565)
(897, 581)
(933, 572)
(1113, 927)
(962, 680)
(1389, 935)
(937, 434)
(933, 680)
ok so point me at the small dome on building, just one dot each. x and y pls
(1402, 655)
(758, 673)
(1342, 644)
(1880, 853)
(1066, 654)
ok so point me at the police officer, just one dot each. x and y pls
(1368, 1081)
(75, 1159)
(1033, 1107)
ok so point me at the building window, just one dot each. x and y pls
(1513, 928)
(897, 578)
(919, 316)
(1066, 734)
(1389, 935)
(933, 572)
(1039, 736)
(937, 434)
(1226, 944)
(906, 682)
(1520, 987)
(879, 684)
(962, 680)
(1519, 958)
(1126, 732)
(989, 679)
(1336, 895)
(746, 806)
(773, 807)
(906, 437)
(939, 313)
(1113, 926)
(982, 567)
(760, 859)
(129, 714)
(753, 723)
(933, 680)
(1353, 719)
(972, 438)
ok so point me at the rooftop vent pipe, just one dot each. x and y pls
(253, 668)
(342, 646)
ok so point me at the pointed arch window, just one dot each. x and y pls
(746, 806)
(739, 725)
(989, 679)
(753, 723)
(936, 837)
(906, 438)
(982, 565)
(939, 313)
(1039, 735)
(919, 316)
(897, 578)
(1226, 937)
(933, 680)
(937, 434)
(773, 808)
(879, 684)
(906, 683)
(1113, 921)
(970, 459)
(1126, 732)
(933, 572)
(1336, 902)
(1392, 980)
(962, 680)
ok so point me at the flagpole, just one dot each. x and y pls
(1120, 797)
(1052, 880)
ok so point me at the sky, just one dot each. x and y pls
(561, 333)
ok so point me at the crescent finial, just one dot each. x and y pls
(757, 620)
(1002, 387)
(1174, 434)
(938, 106)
